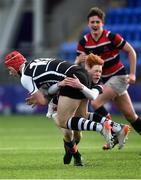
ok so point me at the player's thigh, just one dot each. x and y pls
(82, 109)
(66, 109)
(125, 105)
(107, 95)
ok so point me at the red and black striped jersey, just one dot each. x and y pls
(108, 47)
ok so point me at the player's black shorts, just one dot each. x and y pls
(74, 93)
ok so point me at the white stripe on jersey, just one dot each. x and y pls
(59, 65)
(34, 71)
(111, 58)
(47, 65)
(101, 44)
(48, 73)
(69, 68)
(120, 42)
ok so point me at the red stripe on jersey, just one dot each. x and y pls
(113, 69)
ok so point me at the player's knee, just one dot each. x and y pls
(60, 122)
(68, 134)
(78, 135)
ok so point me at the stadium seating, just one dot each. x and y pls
(134, 3)
(127, 22)
(68, 51)
(123, 16)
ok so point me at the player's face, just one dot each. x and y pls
(95, 24)
(95, 73)
(12, 71)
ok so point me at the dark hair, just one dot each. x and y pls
(95, 11)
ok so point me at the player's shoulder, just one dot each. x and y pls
(109, 34)
(85, 38)
(26, 79)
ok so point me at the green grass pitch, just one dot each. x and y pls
(31, 147)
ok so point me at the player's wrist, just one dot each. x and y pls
(59, 84)
(81, 87)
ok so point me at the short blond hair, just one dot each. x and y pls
(93, 59)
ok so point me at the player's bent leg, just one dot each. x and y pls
(82, 124)
(66, 109)
(125, 105)
(104, 97)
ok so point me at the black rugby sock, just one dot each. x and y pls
(137, 125)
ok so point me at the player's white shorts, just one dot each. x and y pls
(119, 84)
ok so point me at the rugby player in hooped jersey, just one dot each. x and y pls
(72, 103)
(108, 45)
(93, 65)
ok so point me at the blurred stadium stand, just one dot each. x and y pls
(134, 3)
(12, 100)
(68, 51)
(37, 27)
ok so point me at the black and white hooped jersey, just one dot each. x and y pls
(45, 71)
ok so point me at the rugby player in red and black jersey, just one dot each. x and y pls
(114, 75)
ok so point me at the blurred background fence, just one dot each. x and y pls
(52, 28)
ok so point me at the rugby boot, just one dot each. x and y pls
(106, 132)
(114, 141)
(122, 136)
